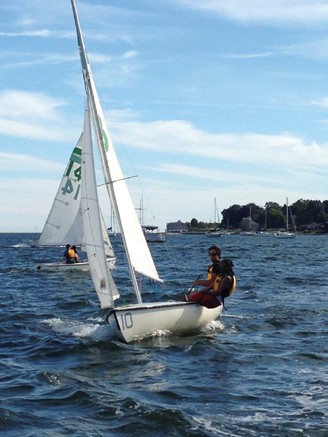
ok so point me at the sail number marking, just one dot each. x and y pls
(69, 187)
(126, 321)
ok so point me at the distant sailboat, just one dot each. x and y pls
(64, 223)
(265, 233)
(134, 321)
(151, 232)
(286, 234)
(216, 232)
(249, 232)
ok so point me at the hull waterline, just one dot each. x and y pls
(80, 266)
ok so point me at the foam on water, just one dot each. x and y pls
(95, 331)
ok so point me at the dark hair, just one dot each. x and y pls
(227, 265)
(216, 248)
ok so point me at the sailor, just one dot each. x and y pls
(70, 256)
(213, 295)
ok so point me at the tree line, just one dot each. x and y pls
(272, 216)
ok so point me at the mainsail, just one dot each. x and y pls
(136, 248)
(64, 222)
(91, 218)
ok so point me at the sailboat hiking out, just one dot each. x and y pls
(133, 321)
(64, 222)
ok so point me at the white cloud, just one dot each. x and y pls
(22, 162)
(28, 33)
(34, 116)
(181, 137)
(29, 106)
(310, 12)
(323, 103)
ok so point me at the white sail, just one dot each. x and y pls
(136, 248)
(64, 222)
(92, 223)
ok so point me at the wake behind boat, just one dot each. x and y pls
(135, 321)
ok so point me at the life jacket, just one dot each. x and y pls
(71, 256)
(209, 272)
(230, 290)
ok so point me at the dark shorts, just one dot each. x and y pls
(207, 300)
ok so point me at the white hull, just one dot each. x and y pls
(214, 234)
(248, 234)
(133, 322)
(80, 266)
(263, 234)
(155, 238)
(284, 235)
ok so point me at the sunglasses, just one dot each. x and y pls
(213, 254)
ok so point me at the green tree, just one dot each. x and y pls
(194, 223)
(231, 216)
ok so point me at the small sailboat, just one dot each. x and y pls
(286, 234)
(250, 224)
(64, 223)
(138, 320)
(151, 232)
(265, 233)
(215, 232)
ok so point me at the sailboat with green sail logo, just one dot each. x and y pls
(140, 319)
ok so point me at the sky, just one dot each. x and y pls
(204, 100)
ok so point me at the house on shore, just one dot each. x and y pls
(176, 227)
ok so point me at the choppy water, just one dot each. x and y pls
(261, 370)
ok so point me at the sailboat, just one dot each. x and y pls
(151, 232)
(133, 321)
(264, 233)
(286, 234)
(64, 223)
(215, 232)
(250, 232)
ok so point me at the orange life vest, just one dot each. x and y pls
(71, 257)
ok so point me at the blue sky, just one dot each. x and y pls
(204, 99)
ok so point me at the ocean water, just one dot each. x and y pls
(259, 370)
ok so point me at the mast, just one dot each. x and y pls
(102, 137)
(214, 210)
(136, 249)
